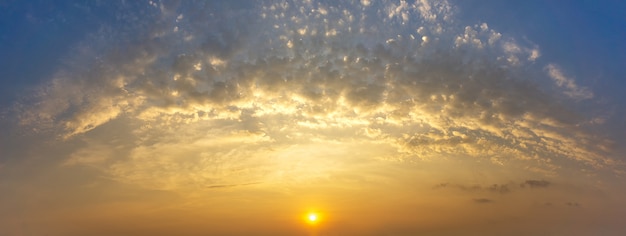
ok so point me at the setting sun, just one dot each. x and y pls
(312, 218)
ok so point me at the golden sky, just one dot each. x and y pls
(379, 117)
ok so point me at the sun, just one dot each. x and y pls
(312, 218)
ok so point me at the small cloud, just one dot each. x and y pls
(499, 188)
(536, 184)
(483, 200)
(534, 54)
(495, 188)
(231, 185)
(572, 89)
(441, 185)
(572, 204)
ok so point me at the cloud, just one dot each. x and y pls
(237, 85)
(231, 185)
(536, 183)
(572, 89)
(499, 188)
(572, 204)
(482, 200)
(494, 188)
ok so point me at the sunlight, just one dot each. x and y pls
(312, 218)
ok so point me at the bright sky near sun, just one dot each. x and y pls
(284, 117)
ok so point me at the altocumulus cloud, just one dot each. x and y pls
(208, 92)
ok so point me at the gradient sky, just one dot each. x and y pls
(382, 117)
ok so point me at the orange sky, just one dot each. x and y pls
(382, 117)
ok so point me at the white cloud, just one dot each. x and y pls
(494, 37)
(470, 36)
(572, 89)
(534, 54)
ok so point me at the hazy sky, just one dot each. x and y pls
(381, 117)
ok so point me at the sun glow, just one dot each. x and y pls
(312, 218)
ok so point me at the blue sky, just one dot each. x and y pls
(585, 35)
(381, 117)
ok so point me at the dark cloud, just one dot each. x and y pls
(494, 188)
(441, 185)
(483, 200)
(572, 204)
(499, 188)
(536, 183)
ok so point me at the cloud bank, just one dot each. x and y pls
(218, 94)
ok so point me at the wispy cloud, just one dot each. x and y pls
(536, 183)
(572, 204)
(494, 188)
(483, 200)
(231, 185)
(572, 89)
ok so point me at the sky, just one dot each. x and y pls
(364, 117)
